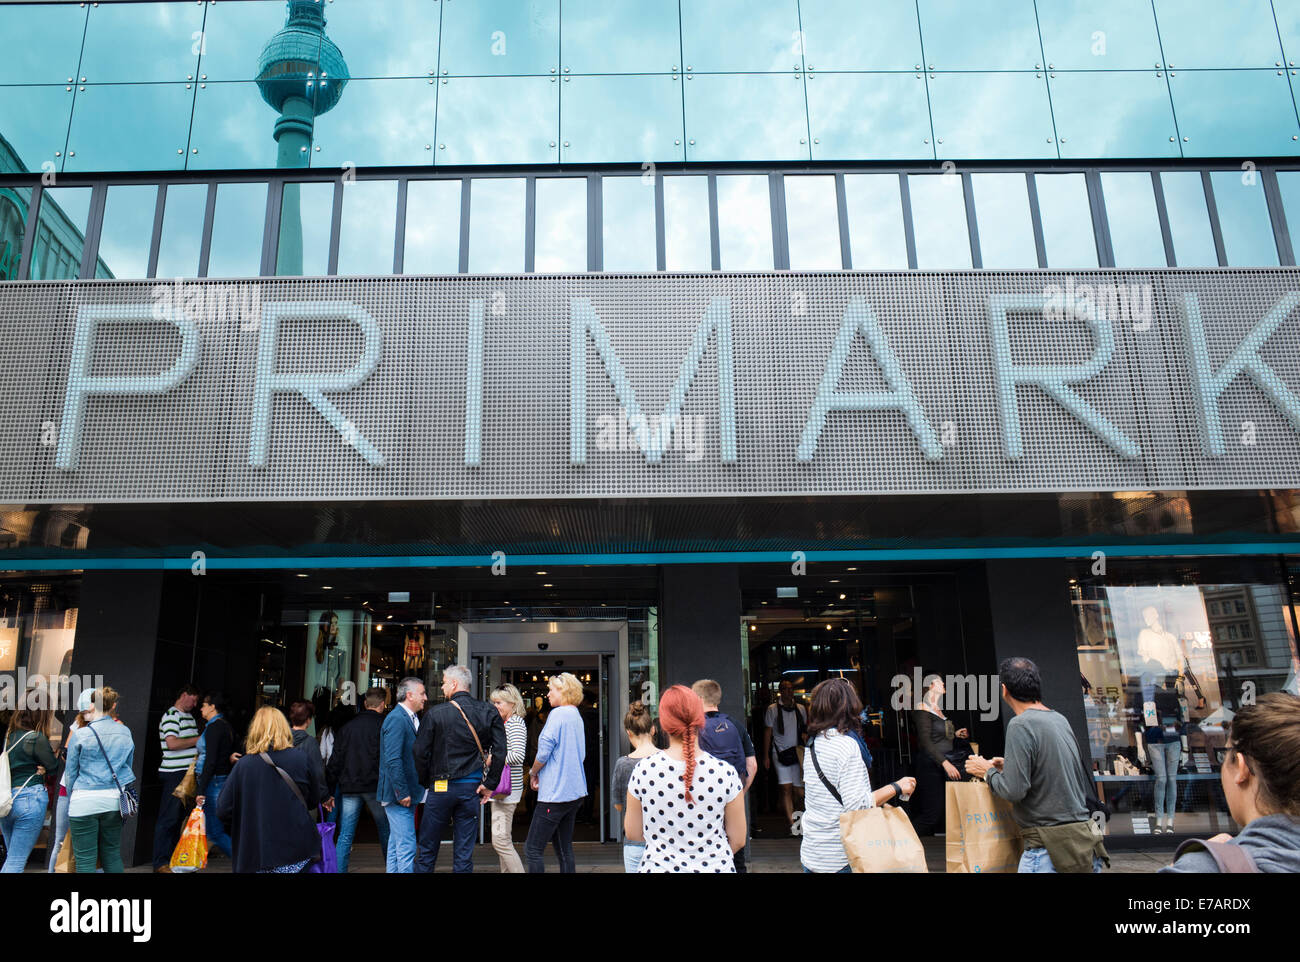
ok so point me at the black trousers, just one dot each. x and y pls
(167, 830)
(928, 815)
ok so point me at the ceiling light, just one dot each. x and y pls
(842, 597)
(301, 575)
(828, 627)
(379, 627)
(326, 587)
(390, 617)
(548, 586)
(753, 627)
(541, 572)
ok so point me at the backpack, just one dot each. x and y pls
(1230, 858)
(6, 786)
(721, 739)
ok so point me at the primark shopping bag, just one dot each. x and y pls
(981, 834)
(881, 839)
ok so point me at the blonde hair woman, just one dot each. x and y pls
(270, 822)
(510, 705)
(558, 776)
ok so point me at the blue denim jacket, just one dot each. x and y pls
(87, 768)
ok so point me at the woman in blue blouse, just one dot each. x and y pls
(557, 776)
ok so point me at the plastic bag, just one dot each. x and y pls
(191, 852)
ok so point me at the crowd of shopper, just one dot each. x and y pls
(681, 791)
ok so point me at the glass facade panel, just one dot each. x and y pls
(1119, 114)
(14, 205)
(1189, 219)
(1135, 237)
(496, 225)
(1098, 35)
(746, 117)
(1235, 113)
(735, 35)
(980, 34)
(237, 226)
(1211, 33)
(1287, 13)
(628, 211)
(233, 128)
(876, 115)
(1288, 182)
(875, 209)
(130, 127)
(497, 120)
(939, 221)
(395, 38)
(183, 211)
(140, 42)
(43, 43)
(850, 35)
(33, 127)
(60, 234)
(813, 224)
(745, 223)
(432, 227)
(500, 38)
(1006, 228)
(234, 35)
(597, 127)
(1243, 219)
(305, 225)
(128, 229)
(687, 241)
(963, 105)
(368, 228)
(377, 123)
(561, 228)
(620, 36)
(1067, 220)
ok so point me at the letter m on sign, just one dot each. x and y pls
(583, 322)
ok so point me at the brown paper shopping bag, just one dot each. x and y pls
(881, 839)
(66, 863)
(981, 834)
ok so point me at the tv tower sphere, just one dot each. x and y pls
(300, 61)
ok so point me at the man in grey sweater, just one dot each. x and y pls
(1043, 777)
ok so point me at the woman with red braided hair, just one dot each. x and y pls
(687, 806)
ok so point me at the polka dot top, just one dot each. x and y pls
(681, 837)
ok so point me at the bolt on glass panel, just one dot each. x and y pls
(561, 229)
(60, 234)
(737, 35)
(128, 229)
(432, 227)
(1098, 35)
(733, 117)
(879, 115)
(377, 123)
(745, 223)
(496, 225)
(686, 224)
(34, 126)
(43, 43)
(1248, 239)
(1212, 33)
(875, 210)
(368, 227)
(628, 232)
(142, 42)
(220, 110)
(238, 220)
(852, 35)
(993, 116)
(1005, 226)
(182, 230)
(1287, 14)
(1235, 113)
(620, 36)
(1189, 219)
(501, 38)
(597, 126)
(1113, 114)
(812, 223)
(939, 221)
(497, 120)
(1135, 237)
(130, 127)
(980, 34)
(1067, 220)
(306, 211)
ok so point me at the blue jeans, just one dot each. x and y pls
(348, 813)
(216, 831)
(60, 830)
(1164, 762)
(459, 804)
(401, 838)
(632, 852)
(1036, 861)
(23, 824)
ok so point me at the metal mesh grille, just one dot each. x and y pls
(192, 442)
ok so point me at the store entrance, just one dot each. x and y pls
(526, 655)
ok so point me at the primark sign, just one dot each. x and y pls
(650, 385)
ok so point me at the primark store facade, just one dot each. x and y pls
(653, 341)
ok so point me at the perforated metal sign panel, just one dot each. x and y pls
(606, 385)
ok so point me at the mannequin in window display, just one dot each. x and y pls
(1157, 646)
(1162, 744)
(327, 635)
(413, 650)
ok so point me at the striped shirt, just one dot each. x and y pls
(179, 724)
(516, 743)
(822, 850)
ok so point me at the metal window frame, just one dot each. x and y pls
(594, 176)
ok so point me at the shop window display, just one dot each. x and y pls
(1163, 669)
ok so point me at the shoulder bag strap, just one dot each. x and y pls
(91, 726)
(812, 750)
(1230, 858)
(481, 754)
(11, 748)
(285, 775)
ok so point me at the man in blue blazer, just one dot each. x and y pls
(399, 786)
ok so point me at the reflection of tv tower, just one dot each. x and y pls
(301, 74)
